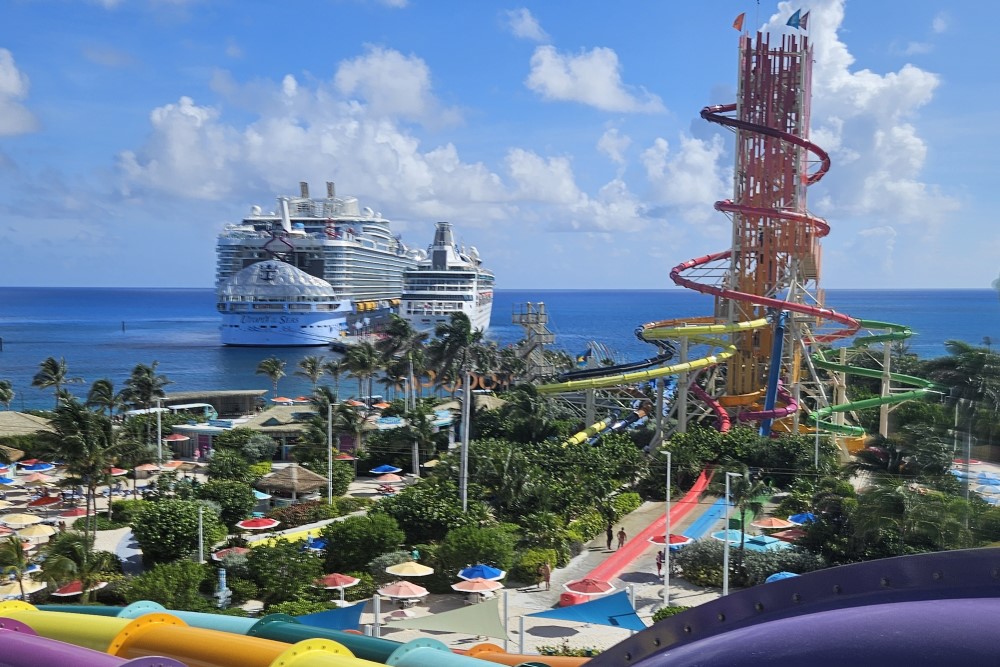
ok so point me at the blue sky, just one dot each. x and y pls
(561, 139)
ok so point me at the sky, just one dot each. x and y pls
(563, 140)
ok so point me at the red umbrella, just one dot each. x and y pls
(281, 399)
(76, 587)
(336, 581)
(116, 472)
(344, 456)
(231, 551)
(388, 477)
(381, 406)
(147, 467)
(175, 437)
(260, 523)
(789, 535)
(354, 403)
(675, 539)
(75, 512)
(44, 501)
(589, 586)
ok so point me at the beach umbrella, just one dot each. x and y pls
(116, 472)
(987, 478)
(477, 585)
(790, 535)
(988, 488)
(381, 405)
(778, 576)
(481, 571)
(259, 523)
(5, 504)
(802, 518)
(385, 468)
(76, 513)
(231, 551)
(44, 501)
(37, 533)
(37, 479)
(260, 495)
(336, 581)
(281, 399)
(676, 541)
(76, 587)
(5, 531)
(389, 478)
(12, 589)
(771, 523)
(171, 465)
(147, 467)
(7, 481)
(433, 463)
(314, 543)
(588, 586)
(354, 403)
(403, 589)
(409, 569)
(175, 437)
(302, 399)
(16, 521)
(344, 456)
(972, 462)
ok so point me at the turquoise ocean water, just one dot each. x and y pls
(105, 332)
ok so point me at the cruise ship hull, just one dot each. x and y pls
(285, 330)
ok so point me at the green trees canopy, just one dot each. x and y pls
(167, 530)
(283, 570)
(352, 543)
(236, 499)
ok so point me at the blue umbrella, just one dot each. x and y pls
(38, 467)
(988, 478)
(260, 495)
(7, 481)
(804, 517)
(732, 535)
(958, 473)
(482, 571)
(385, 468)
(988, 488)
(315, 544)
(778, 576)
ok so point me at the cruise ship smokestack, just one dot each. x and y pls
(331, 190)
(304, 189)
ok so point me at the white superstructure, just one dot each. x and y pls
(446, 281)
(351, 253)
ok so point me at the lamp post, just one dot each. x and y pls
(666, 545)
(329, 452)
(725, 532)
(159, 435)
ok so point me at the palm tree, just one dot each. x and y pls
(104, 398)
(455, 350)
(335, 368)
(54, 373)
(362, 361)
(13, 559)
(420, 432)
(312, 369)
(348, 419)
(746, 493)
(404, 342)
(6, 393)
(70, 557)
(274, 369)
(142, 389)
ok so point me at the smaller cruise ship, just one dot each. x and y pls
(445, 281)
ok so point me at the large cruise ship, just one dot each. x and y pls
(445, 281)
(311, 272)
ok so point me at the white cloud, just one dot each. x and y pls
(15, 118)
(393, 85)
(689, 182)
(917, 48)
(233, 49)
(524, 26)
(940, 23)
(872, 251)
(866, 121)
(613, 144)
(107, 56)
(592, 78)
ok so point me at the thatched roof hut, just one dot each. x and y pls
(293, 480)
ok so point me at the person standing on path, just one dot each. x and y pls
(545, 575)
(611, 535)
(659, 563)
(621, 537)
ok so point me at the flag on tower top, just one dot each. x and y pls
(804, 22)
(738, 23)
(795, 19)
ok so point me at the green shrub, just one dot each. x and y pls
(350, 504)
(564, 649)
(362, 590)
(124, 511)
(243, 590)
(525, 568)
(588, 525)
(667, 612)
(298, 607)
(358, 540)
(300, 514)
(758, 566)
(258, 470)
(174, 585)
(102, 522)
(625, 503)
(700, 563)
(377, 567)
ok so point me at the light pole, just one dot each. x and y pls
(666, 545)
(329, 452)
(463, 478)
(725, 543)
(159, 434)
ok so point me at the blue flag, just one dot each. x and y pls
(795, 19)
(581, 359)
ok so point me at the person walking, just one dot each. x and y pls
(545, 575)
(621, 537)
(659, 563)
(611, 535)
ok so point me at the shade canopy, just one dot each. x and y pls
(384, 469)
(44, 501)
(231, 551)
(409, 569)
(403, 589)
(614, 610)
(734, 536)
(292, 479)
(778, 576)
(36, 531)
(76, 587)
(389, 478)
(478, 619)
(588, 586)
(802, 518)
(675, 540)
(344, 456)
(12, 589)
(175, 437)
(20, 520)
(37, 478)
(482, 571)
(75, 513)
(147, 467)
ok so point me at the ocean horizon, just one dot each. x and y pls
(103, 332)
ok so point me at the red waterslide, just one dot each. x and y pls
(616, 562)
